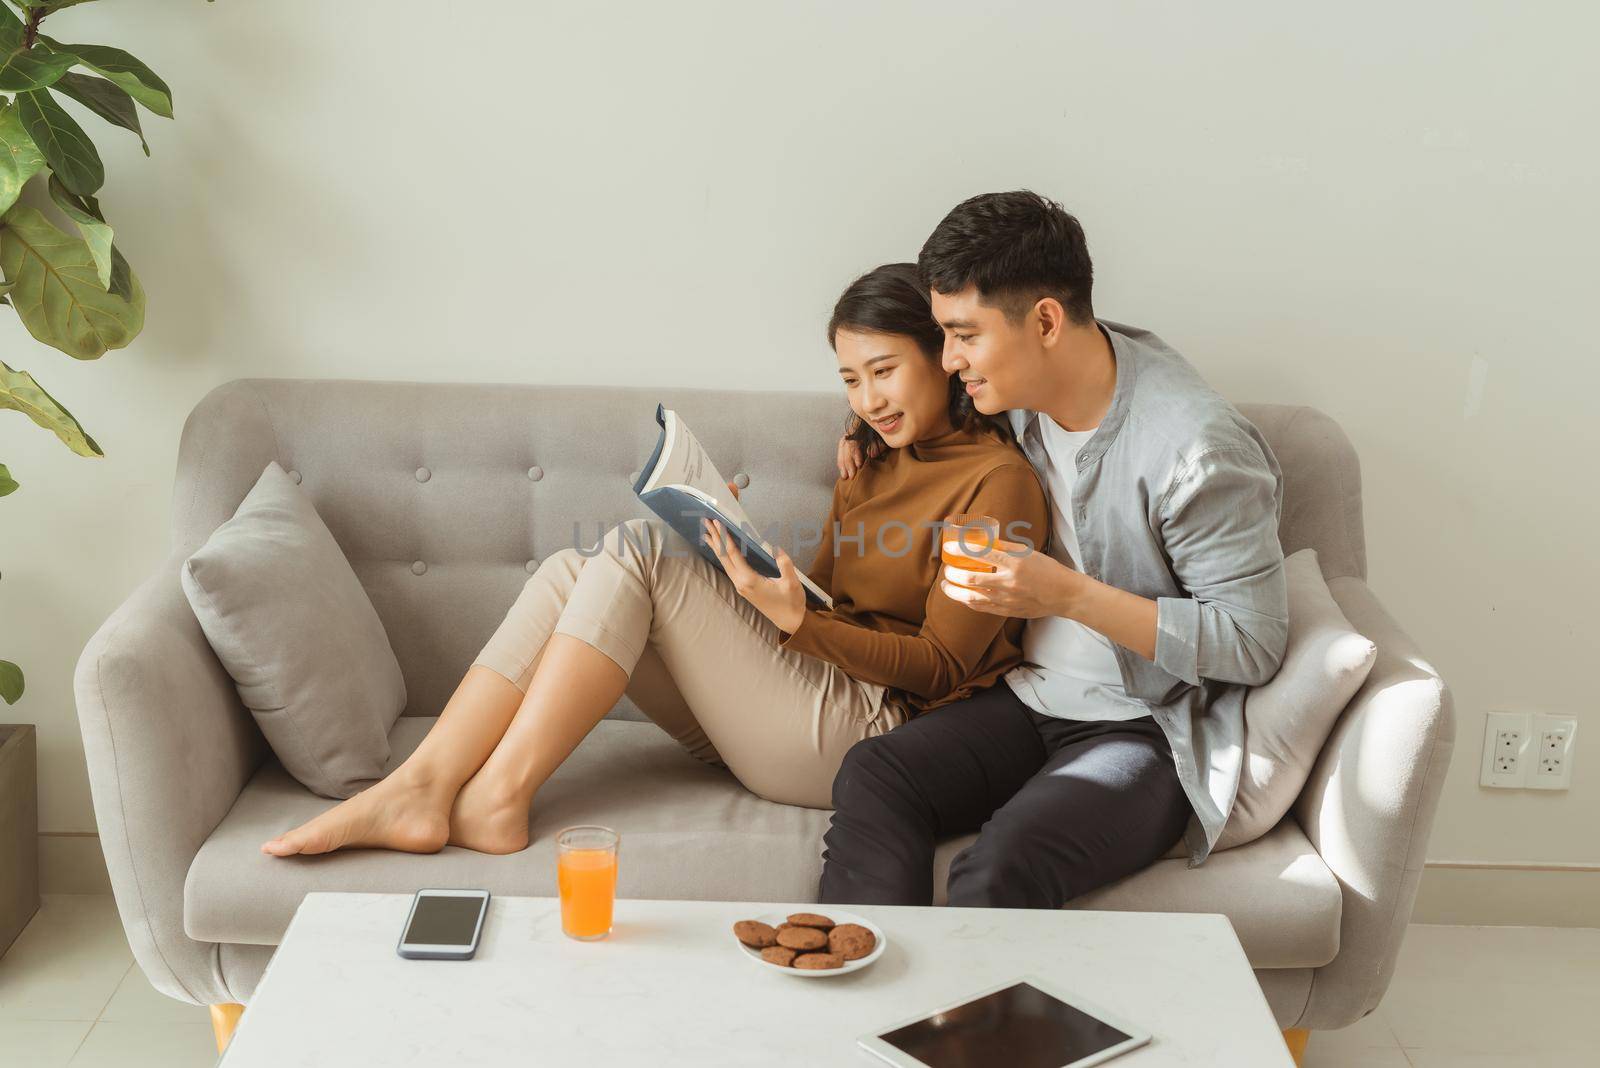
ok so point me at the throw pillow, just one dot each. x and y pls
(1288, 718)
(288, 618)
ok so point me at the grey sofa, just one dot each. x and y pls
(444, 497)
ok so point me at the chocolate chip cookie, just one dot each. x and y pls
(755, 934)
(802, 938)
(851, 941)
(818, 961)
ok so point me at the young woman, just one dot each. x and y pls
(735, 666)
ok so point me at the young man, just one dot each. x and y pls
(1159, 600)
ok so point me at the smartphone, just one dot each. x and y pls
(444, 924)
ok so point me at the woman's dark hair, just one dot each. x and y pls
(891, 299)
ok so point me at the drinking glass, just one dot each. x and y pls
(976, 533)
(586, 875)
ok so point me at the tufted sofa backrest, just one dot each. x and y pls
(445, 496)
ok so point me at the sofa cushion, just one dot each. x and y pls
(1281, 898)
(690, 831)
(1288, 718)
(288, 618)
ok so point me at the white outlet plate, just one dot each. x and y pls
(1550, 749)
(1506, 749)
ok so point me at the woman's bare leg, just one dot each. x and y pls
(409, 809)
(573, 687)
(493, 746)
(471, 781)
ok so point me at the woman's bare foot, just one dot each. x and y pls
(489, 817)
(399, 812)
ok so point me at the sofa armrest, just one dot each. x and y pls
(228, 439)
(169, 747)
(1369, 805)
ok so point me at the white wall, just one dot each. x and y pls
(1386, 211)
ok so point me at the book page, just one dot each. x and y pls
(684, 462)
(685, 466)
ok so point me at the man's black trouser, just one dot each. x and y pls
(1064, 806)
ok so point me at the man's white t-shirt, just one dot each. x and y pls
(1071, 672)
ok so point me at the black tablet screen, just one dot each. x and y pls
(1020, 1027)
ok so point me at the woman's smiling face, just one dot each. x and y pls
(893, 385)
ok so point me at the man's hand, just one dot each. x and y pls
(1035, 584)
(1026, 584)
(849, 459)
(781, 599)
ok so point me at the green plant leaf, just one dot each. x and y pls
(106, 99)
(122, 280)
(140, 82)
(57, 291)
(8, 485)
(97, 233)
(66, 147)
(20, 158)
(19, 392)
(11, 684)
(33, 68)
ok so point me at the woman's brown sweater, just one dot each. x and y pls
(879, 559)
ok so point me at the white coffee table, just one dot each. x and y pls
(669, 987)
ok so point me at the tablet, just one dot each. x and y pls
(1025, 1023)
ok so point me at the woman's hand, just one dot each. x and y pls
(781, 599)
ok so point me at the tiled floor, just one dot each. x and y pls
(1474, 997)
(70, 994)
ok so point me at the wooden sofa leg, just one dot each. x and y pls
(224, 1018)
(1296, 1037)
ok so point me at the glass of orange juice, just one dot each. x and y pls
(974, 533)
(586, 875)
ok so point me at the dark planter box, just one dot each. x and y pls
(19, 830)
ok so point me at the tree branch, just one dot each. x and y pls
(31, 32)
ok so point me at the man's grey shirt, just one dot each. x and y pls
(1178, 499)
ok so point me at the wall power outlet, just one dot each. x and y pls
(1550, 755)
(1506, 752)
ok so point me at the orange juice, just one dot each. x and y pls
(964, 563)
(950, 553)
(968, 532)
(586, 876)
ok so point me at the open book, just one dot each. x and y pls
(680, 484)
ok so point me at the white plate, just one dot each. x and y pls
(838, 916)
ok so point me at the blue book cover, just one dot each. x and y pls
(680, 484)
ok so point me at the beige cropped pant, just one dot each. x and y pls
(702, 662)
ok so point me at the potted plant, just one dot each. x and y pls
(19, 831)
(71, 286)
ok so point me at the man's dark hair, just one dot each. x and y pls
(1016, 248)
